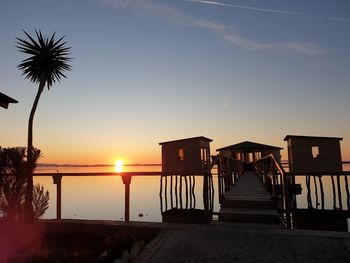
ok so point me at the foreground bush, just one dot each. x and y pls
(13, 185)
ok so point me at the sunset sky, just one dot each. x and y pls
(149, 71)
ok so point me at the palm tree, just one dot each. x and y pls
(48, 60)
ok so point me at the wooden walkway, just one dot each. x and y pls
(248, 201)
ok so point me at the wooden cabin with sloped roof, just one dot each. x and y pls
(314, 153)
(186, 156)
(249, 152)
(185, 168)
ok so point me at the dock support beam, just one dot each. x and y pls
(57, 180)
(206, 196)
(285, 182)
(126, 181)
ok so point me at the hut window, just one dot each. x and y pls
(257, 155)
(204, 154)
(181, 154)
(315, 152)
(238, 156)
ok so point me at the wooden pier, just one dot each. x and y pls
(248, 201)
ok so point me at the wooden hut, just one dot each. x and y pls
(318, 160)
(183, 161)
(249, 152)
(313, 153)
(6, 100)
(186, 156)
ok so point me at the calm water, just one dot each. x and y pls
(102, 197)
(328, 192)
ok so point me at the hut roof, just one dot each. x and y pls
(312, 137)
(187, 139)
(247, 145)
(5, 100)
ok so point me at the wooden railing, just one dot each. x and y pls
(229, 171)
(274, 177)
(286, 186)
(176, 191)
(125, 176)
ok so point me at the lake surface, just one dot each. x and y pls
(102, 197)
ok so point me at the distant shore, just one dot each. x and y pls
(111, 165)
(94, 165)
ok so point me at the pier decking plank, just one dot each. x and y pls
(248, 201)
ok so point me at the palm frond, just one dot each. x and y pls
(48, 58)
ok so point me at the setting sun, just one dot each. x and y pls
(119, 166)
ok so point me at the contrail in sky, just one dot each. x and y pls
(276, 11)
(177, 16)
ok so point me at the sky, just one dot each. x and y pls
(150, 71)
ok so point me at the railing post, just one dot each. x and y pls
(126, 181)
(273, 183)
(219, 180)
(285, 182)
(266, 171)
(57, 180)
(229, 172)
(206, 195)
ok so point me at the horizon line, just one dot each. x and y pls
(94, 165)
(129, 164)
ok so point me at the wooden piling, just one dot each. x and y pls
(57, 180)
(126, 181)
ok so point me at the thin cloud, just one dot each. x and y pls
(177, 16)
(300, 47)
(162, 10)
(265, 10)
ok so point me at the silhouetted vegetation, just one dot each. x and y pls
(13, 184)
(46, 64)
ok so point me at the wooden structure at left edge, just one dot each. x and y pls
(185, 167)
(6, 100)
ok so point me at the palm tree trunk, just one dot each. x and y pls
(28, 206)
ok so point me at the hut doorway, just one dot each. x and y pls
(248, 161)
